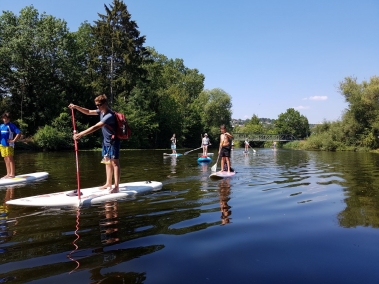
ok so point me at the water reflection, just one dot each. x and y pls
(109, 225)
(173, 163)
(5, 232)
(224, 192)
(304, 199)
(76, 233)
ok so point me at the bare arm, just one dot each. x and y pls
(228, 135)
(221, 142)
(88, 130)
(15, 138)
(83, 110)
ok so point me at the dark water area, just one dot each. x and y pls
(285, 217)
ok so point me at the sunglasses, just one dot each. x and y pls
(98, 105)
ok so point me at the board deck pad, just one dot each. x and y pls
(88, 196)
(220, 175)
(23, 178)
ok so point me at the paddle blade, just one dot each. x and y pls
(214, 167)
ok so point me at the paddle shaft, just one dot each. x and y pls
(193, 150)
(214, 168)
(251, 147)
(76, 153)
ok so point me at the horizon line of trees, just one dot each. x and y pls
(44, 67)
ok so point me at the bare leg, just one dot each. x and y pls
(108, 172)
(222, 163)
(8, 166)
(228, 163)
(12, 167)
(116, 173)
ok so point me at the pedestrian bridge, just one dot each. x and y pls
(263, 137)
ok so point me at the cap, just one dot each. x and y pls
(205, 134)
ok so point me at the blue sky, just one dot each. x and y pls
(268, 55)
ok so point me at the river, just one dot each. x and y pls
(286, 217)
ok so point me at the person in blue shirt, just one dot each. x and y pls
(9, 134)
(111, 144)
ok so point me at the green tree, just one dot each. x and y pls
(216, 110)
(166, 100)
(118, 52)
(362, 116)
(39, 67)
(292, 122)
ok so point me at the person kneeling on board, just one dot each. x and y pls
(111, 144)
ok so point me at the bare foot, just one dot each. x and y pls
(114, 190)
(105, 186)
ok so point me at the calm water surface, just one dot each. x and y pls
(286, 217)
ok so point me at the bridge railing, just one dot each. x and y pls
(263, 137)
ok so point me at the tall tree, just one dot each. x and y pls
(118, 53)
(35, 52)
(216, 110)
(362, 115)
(292, 122)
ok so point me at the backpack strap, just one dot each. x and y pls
(110, 127)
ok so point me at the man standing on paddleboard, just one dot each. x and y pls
(225, 147)
(111, 144)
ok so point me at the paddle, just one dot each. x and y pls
(214, 167)
(252, 148)
(76, 155)
(185, 153)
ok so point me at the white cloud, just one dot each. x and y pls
(301, 107)
(304, 99)
(318, 98)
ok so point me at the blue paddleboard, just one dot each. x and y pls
(204, 159)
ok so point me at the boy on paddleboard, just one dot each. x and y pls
(173, 143)
(111, 144)
(225, 148)
(205, 142)
(246, 146)
(8, 129)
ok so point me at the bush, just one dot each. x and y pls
(50, 138)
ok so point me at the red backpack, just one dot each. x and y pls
(123, 130)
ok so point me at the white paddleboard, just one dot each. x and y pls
(172, 155)
(23, 178)
(88, 195)
(220, 175)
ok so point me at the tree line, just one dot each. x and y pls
(358, 130)
(44, 67)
